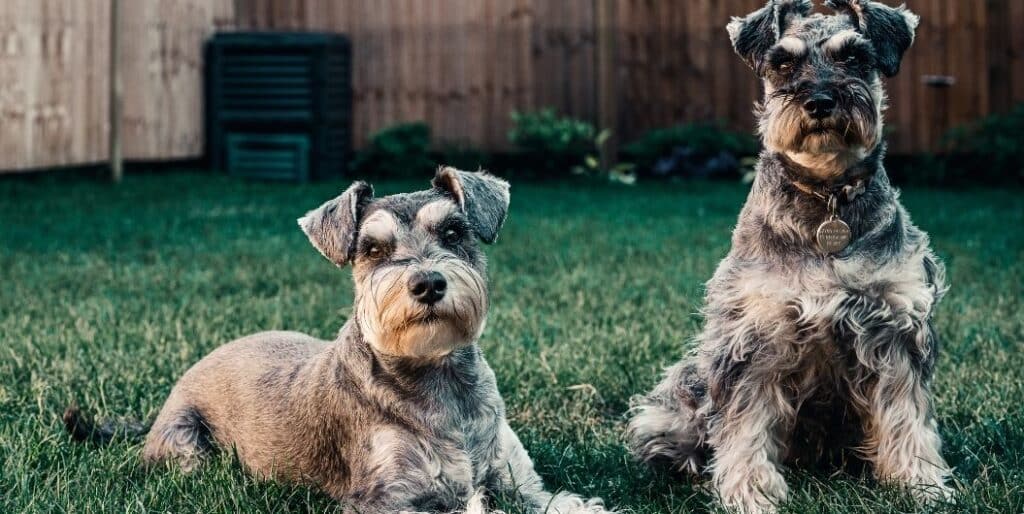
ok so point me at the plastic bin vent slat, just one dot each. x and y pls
(272, 156)
(275, 95)
(267, 85)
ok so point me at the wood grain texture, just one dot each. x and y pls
(162, 66)
(53, 82)
(54, 77)
(461, 66)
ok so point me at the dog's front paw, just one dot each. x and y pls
(759, 492)
(925, 482)
(933, 494)
(750, 502)
(565, 503)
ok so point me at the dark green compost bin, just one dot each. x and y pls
(279, 104)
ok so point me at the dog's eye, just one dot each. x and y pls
(785, 67)
(374, 250)
(451, 235)
(851, 60)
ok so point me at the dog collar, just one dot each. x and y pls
(848, 192)
(833, 235)
(850, 185)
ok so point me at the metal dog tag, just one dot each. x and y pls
(833, 235)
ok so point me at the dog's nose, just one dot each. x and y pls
(427, 286)
(820, 106)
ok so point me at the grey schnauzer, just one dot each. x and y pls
(818, 341)
(401, 412)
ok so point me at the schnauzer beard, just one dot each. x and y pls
(396, 324)
(827, 147)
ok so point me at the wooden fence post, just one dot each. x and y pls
(116, 164)
(607, 81)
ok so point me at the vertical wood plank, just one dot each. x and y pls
(607, 83)
(459, 65)
(998, 31)
(1016, 54)
(116, 92)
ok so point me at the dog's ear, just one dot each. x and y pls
(753, 35)
(332, 227)
(890, 30)
(481, 196)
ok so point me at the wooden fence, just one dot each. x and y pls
(461, 66)
(54, 63)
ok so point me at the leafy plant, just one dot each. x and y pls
(995, 144)
(693, 149)
(396, 151)
(553, 144)
(621, 172)
(550, 143)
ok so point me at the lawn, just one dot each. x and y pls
(108, 294)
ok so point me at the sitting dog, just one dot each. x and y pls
(818, 334)
(401, 412)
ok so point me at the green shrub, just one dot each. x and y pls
(692, 144)
(995, 142)
(396, 151)
(552, 144)
(923, 169)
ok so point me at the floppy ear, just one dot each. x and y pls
(753, 35)
(482, 196)
(332, 226)
(891, 30)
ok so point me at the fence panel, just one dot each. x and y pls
(53, 82)
(459, 65)
(163, 77)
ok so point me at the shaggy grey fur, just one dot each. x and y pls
(806, 354)
(401, 412)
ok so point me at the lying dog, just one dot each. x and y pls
(818, 333)
(401, 411)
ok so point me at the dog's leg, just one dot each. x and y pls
(901, 436)
(668, 424)
(515, 475)
(746, 435)
(745, 468)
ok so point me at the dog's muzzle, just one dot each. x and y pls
(427, 287)
(819, 106)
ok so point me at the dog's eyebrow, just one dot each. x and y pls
(838, 40)
(380, 225)
(793, 45)
(434, 213)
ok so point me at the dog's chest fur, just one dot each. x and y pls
(453, 449)
(817, 294)
(435, 429)
(819, 311)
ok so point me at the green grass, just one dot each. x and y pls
(108, 294)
